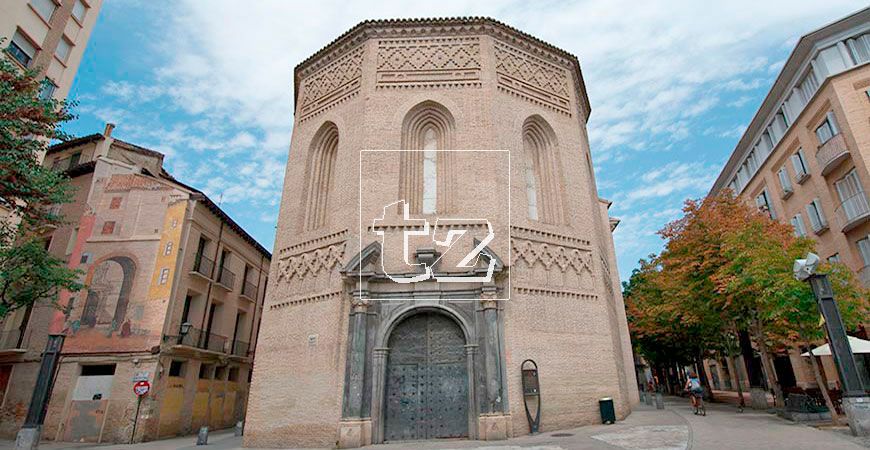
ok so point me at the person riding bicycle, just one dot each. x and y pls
(693, 385)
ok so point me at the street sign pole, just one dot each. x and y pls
(141, 389)
(856, 403)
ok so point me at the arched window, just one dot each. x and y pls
(541, 171)
(425, 175)
(320, 171)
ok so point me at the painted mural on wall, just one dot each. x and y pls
(118, 310)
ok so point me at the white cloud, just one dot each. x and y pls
(653, 70)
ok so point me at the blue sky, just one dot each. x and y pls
(672, 86)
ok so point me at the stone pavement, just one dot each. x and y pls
(675, 428)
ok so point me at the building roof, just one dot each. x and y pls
(802, 51)
(88, 167)
(368, 28)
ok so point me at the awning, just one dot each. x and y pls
(858, 346)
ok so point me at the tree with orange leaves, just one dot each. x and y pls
(726, 266)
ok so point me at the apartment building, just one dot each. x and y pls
(49, 36)
(804, 159)
(173, 295)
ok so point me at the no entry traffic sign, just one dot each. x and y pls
(141, 388)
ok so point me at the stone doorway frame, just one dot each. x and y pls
(381, 361)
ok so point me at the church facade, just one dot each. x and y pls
(439, 226)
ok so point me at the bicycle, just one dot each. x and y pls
(700, 409)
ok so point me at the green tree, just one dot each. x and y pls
(28, 273)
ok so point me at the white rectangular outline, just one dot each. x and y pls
(510, 249)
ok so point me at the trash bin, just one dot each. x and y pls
(608, 413)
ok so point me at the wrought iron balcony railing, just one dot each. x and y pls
(249, 290)
(203, 265)
(240, 348)
(201, 339)
(226, 278)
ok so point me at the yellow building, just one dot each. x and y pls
(173, 296)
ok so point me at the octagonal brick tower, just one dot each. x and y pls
(347, 354)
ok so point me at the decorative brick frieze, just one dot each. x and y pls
(310, 263)
(560, 293)
(551, 256)
(307, 299)
(331, 85)
(531, 78)
(429, 62)
(547, 237)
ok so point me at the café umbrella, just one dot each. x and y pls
(858, 346)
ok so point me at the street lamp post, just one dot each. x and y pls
(29, 435)
(856, 402)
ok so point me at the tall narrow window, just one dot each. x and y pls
(321, 170)
(425, 182)
(817, 216)
(828, 128)
(785, 182)
(763, 204)
(541, 171)
(853, 201)
(798, 223)
(430, 172)
(864, 250)
(800, 165)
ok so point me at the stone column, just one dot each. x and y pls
(493, 422)
(354, 430)
(470, 351)
(379, 380)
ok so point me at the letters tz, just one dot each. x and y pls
(447, 234)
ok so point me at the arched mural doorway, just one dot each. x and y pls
(427, 380)
(109, 293)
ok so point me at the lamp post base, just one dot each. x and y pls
(857, 411)
(28, 438)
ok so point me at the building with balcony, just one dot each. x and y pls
(50, 37)
(804, 156)
(173, 295)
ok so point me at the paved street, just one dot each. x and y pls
(675, 428)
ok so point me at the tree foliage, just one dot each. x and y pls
(28, 191)
(728, 266)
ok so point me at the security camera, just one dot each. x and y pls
(805, 268)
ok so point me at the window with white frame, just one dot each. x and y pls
(46, 89)
(45, 8)
(800, 165)
(853, 201)
(79, 10)
(762, 201)
(864, 250)
(816, 215)
(798, 223)
(21, 48)
(785, 181)
(835, 258)
(63, 49)
(827, 129)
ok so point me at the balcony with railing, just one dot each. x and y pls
(852, 212)
(240, 348)
(200, 339)
(832, 153)
(202, 266)
(249, 290)
(226, 278)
